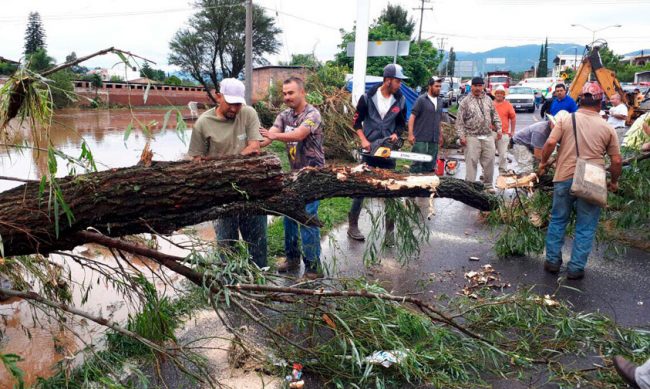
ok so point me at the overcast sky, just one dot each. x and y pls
(145, 27)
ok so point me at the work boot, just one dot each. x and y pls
(353, 227)
(289, 265)
(626, 370)
(389, 239)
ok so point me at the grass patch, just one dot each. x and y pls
(331, 212)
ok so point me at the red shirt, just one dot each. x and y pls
(506, 112)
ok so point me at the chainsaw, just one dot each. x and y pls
(384, 148)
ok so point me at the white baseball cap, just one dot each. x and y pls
(233, 91)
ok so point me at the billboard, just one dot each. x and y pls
(495, 61)
(383, 48)
(464, 69)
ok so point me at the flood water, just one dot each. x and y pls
(40, 342)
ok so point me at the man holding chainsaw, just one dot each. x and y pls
(424, 126)
(380, 117)
(477, 122)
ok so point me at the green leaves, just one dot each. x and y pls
(10, 363)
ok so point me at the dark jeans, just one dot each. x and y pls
(309, 237)
(253, 231)
(587, 216)
(429, 148)
(382, 163)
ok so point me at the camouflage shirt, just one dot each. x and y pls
(309, 151)
(476, 116)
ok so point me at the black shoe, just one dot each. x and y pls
(551, 267)
(626, 370)
(575, 275)
(289, 265)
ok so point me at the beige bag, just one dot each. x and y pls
(589, 179)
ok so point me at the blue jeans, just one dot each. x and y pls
(253, 231)
(310, 237)
(587, 216)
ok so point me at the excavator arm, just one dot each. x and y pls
(605, 77)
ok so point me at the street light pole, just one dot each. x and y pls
(594, 31)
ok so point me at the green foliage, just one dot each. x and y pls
(451, 62)
(173, 80)
(419, 65)
(116, 78)
(522, 328)
(76, 69)
(38, 61)
(410, 230)
(9, 362)
(213, 46)
(629, 207)
(34, 34)
(520, 220)
(306, 60)
(151, 73)
(397, 16)
(7, 69)
(330, 75)
(62, 88)
(624, 71)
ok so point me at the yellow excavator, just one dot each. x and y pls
(591, 62)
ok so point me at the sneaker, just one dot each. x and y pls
(551, 267)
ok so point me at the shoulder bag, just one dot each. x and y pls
(589, 179)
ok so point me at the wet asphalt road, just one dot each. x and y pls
(616, 285)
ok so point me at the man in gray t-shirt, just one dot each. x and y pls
(424, 126)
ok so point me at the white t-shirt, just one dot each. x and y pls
(620, 109)
(434, 100)
(384, 103)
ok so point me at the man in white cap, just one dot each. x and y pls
(232, 128)
(508, 124)
(380, 114)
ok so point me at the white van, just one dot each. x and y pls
(543, 85)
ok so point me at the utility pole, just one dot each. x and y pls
(248, 66)
(422, 9)
(360, 50)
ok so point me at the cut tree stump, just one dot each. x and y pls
(170, 195)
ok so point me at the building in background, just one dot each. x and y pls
(264, 77)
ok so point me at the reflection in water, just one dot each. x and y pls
(42, 343)
(103, 132)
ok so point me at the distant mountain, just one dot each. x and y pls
(517, 58)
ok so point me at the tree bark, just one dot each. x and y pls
(169, 195)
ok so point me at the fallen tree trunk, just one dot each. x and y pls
(169, 195)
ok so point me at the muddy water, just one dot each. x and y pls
(42, 342)
(103, 131)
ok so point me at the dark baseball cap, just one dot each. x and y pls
(477, 81)
(434, 79)
(394, 71)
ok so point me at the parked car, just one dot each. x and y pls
(449, 92)
(521, 98)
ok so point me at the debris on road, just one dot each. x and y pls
(485, 278)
